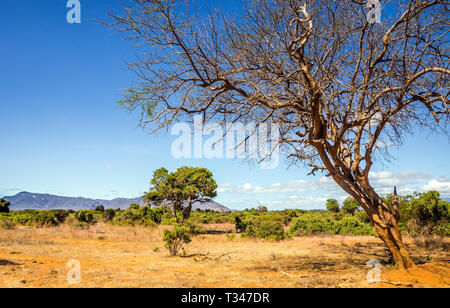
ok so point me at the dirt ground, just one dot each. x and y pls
(135, 257)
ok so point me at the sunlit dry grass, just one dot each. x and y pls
(114, 256)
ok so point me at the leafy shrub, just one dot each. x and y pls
(265, 229)
(134, 206)
(350, 206)
(45, 218)
(239, 224)
(313, 223)
(99, 208)
(333, 205)
(353, 226)
(4, 206)
(426, 214)
(363, 217)
(136, 215)
(85, 216)
(108, 215)
(176, 238)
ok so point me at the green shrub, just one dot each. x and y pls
(363, 217)
(425, 214)
(45, 218)
(351, 225)
(330, 223)
(265, 229)
(99, 208)
(108, 215)
(350, 206)
(239, 224)
(136, 215)
(85, 216)
(4, 206)
(176, 238)
(313, 223)
(332, 205)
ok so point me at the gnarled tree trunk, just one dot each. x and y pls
(385, 221)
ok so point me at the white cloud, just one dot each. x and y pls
(441, 184)
(314, 193)
(298, 186)
(380, 175)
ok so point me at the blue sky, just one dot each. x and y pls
(62, 132)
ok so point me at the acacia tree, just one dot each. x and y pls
(180, 189)
(341, 89)
(350, 206)
(332, 205)
(4, 206)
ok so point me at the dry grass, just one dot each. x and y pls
(135, 257)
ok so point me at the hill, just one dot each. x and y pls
(27, 200)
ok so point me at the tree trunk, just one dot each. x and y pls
(384, 217)
(174, 213)
(385, 221)
(390, 234)
(187, 211)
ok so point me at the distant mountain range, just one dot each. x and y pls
(26, 200)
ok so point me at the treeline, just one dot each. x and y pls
(420, 214)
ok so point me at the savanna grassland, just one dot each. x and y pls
(114, 256)
(144, 246)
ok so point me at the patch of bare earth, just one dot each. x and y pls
(135, 257)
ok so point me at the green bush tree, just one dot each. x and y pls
(84, 216)
(239, 224)
(99, 208)
(176, 238)
(427, 214)
(350, 206)
(108, 215)
(180, 189)
(333, 205)
(4, 206)
(265, 229)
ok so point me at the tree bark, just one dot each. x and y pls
(385, 221)
(187, 211)
(383, 217)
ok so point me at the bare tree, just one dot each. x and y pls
(340, 88)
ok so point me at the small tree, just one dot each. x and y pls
(4, 206)
(180, 189)
(176, 238)
(99, 208)
(240, 225)
(134, 206)
(108, 215)
(84, 216)
(426, 212)
(350, 206)
(333, 205)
